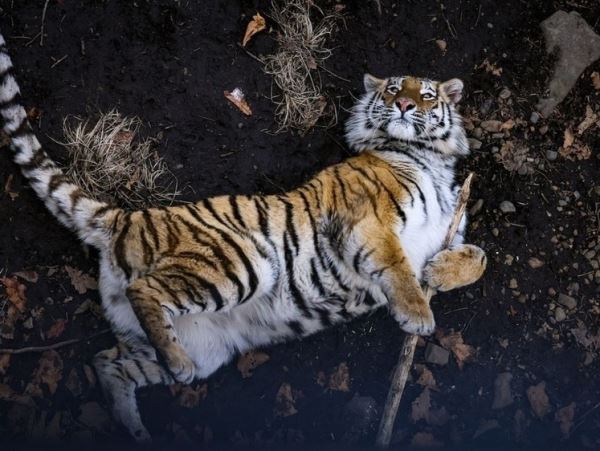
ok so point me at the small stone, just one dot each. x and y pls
(502, 393)
(535, 262)
(436, 354)
(551, 155)
(568, 301)
(508, 259)
(474, 144)
(492, 126)
(477, 132)
(535, 117)
(476, 208)
(486, 106)
(505, 94)
(551, 291)
(559, 314)
(507, 206)
(495, 231)
(513, 284)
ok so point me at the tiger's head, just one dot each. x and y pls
(408, 111)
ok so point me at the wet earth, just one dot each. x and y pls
(534, 314)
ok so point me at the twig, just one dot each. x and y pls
(60, 344)
(43, 20)
(378, 4)
(409, 344)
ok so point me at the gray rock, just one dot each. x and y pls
(436, 354)
(559, 314)
(506, 206)
(578, 47)
(502, 394)
(505, 94)
(568, 301)
(474, 144)
(486, 106)
(535, 117)
(551, 155)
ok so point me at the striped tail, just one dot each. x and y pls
(87, 217)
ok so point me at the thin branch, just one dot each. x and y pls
(407, 352)
(43, 20)
(60, 344)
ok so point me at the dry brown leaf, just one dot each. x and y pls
(577, 151)
(29, 276)
(15, 292)
(595, 76)
(491, 68)
(425, 440)
(420, 406)
(249, 361)
(507, 125)
(237, 97)
(256, 25)
(426, 378)
(569, 138)
(4, 363)
(584, 338)
(8, 185)
(48, 372)
(285, 402)
(80, 281)
(590, 119)
(57, 329)
(565, 417)
(339, 380)
(454, 342)
(538, 399)
(8, 394)
(187, 396)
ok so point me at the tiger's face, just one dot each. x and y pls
(408, 110)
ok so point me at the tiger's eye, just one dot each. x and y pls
(392, 90)
(427, 96)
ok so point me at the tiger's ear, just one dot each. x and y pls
(372, 83)
(452, 90)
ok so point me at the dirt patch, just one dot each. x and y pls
(169, 63)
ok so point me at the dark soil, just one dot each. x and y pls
(169, 63)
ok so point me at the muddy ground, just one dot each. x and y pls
(169, 63)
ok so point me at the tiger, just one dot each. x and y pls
(187, 287)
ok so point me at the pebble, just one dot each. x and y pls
(505, 94)
(486, 106)
(559, 314)
(513, 284)
(474, 144)
(436, 354)
(551, 155)
(477, 132)
(543, 129)
(535, 262)
(534, 118)
(568, 301)
(502, 393)
(476, 208)
(507, 206)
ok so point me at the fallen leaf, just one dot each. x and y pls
(420, 406)
(491, 68)
(425, 440)
(48, 372)
(595, 76)
(15, 292)
(584, 338)
(4, 363)
(515, 158)
(8, 394)
(590, 119)
(8, 185)
(29, 276)
(569, 138)
(80, 281)
(73, 382)
(426, 378)
(339, 380)
(285, 402)
(454, 342)
(565, 417)
(256, 25)
(249, 361)
(507, 125)
(187, 396)
(56, 329)
(538, 399)
(238, 99)
(577, 151)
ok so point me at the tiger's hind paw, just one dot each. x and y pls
(181, 367)
(416, 322)
(456, 267)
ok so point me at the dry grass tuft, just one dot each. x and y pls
(108, 163)
(294, 66)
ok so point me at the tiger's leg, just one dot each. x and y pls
(378, 256)
(166, 293)
(123, 369)
(455, 267)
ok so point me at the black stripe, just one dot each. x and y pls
(151, 228)
(146, 248)
(119, 246)
(289, 223)
(233, 202)
(297, 297)
(296, 327)
(399, 210)
(316, 280)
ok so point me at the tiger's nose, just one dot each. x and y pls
(405, 104)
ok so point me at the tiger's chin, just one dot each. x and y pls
(402, 129)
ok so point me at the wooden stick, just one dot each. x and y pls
(60, 344)
(407, 352)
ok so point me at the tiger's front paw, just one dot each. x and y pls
(455, 267)
(416, 321)
(181, 367)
